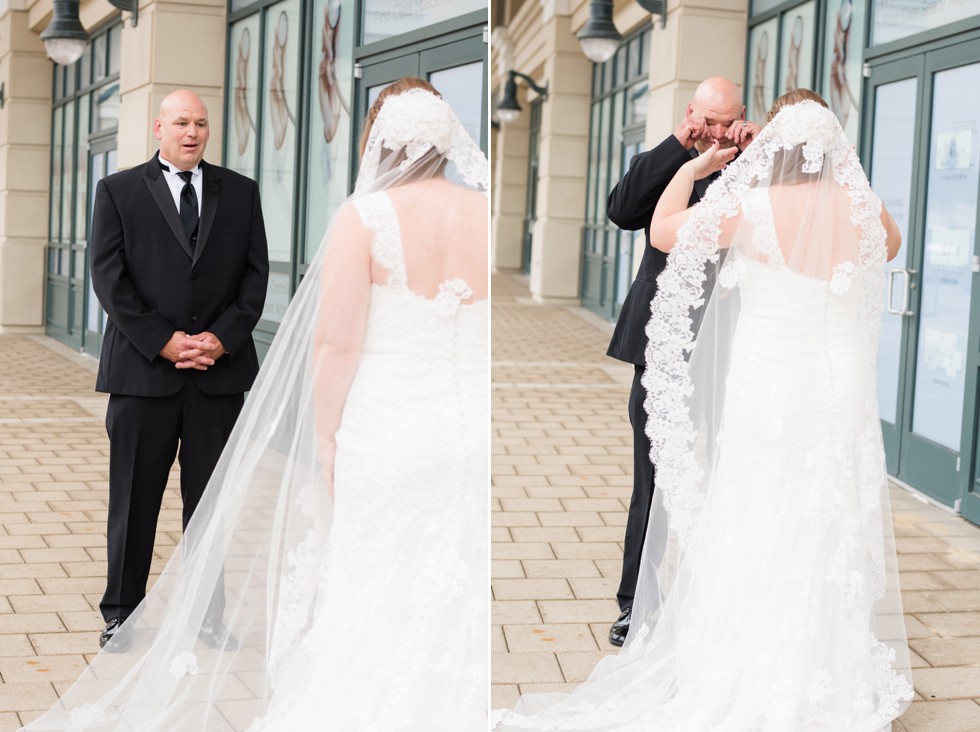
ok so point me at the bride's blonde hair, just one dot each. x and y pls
(794, 96)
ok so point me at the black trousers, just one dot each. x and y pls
(145, 435)
(643, 476)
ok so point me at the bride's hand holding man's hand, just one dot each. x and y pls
(713, 159)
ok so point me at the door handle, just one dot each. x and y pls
(906, 291)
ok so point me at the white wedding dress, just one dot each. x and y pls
(409, 534)
(342, 540)
(783, 612)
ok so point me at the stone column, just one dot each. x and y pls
(175, 45)
(25, 139)
(509, 177)
(556, 256)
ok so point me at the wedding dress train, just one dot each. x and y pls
(783, 612)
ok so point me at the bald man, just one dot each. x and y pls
(180, 265)
(715, 113)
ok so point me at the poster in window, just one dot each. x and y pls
(328, 163)
(797, 48)
(282, 42)
(244, 98)
(841, 85)
(762, 70)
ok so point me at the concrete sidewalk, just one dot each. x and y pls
(54, 462)
(562, 464)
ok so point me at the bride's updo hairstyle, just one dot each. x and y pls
(793, 97)
(787, 165)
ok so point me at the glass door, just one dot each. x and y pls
(892, 138)
(924, 131)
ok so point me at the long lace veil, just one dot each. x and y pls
(775, 281)
(256, 544)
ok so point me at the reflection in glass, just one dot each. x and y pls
(893, 20)
(56, 153)
(81, 182)
(947, 277)
(106, 101)
(462, 88)
(382, 19)
(92, 316)
(99, 49)
(891, 179)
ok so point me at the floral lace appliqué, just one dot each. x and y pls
(451, 295)
(87, 714)
(184, 664)
(378, 214)
(840, 280)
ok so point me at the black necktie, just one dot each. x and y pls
(188, 205)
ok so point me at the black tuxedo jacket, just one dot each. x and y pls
(151, 282)
(630, 206)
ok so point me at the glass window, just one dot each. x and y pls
(282, 42)
(947, 277)
(106, 104)
(328, 162)
(797, 48)
(841, 79)
(68, 173)
(56, 155)
(81, 179)
(244, 96)
(762, 70)
(891, 21)
(99, 52)
(382, 19)
(761, 6)
(115, 48)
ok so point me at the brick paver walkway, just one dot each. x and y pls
(54, 461)
(562, 450)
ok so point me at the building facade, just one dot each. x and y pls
(901, 77)
(287, 84)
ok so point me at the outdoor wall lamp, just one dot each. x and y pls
(599, 37)
(508, 109)
(65, 37)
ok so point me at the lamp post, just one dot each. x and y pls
(509, 109)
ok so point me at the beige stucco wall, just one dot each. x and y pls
(702, 38)
(174, 45)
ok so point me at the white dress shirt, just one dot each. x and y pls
(176, 183)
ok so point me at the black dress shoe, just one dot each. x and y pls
(117, 637)
(619, 629)
(215, 634)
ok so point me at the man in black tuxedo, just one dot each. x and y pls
(180, 265)
(715, 112)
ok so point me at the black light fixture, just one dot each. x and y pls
(508, 110)
(600, 39)
(65, 37)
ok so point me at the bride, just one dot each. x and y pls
(345, 527)
(768, 599)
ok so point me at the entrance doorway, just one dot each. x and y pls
(922, 134)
